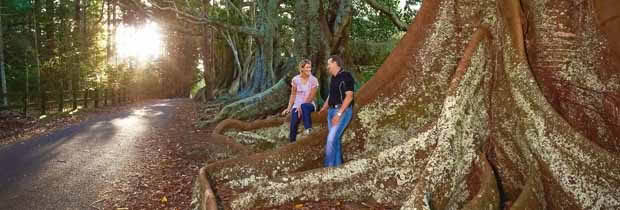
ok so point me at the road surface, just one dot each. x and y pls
(74, 167)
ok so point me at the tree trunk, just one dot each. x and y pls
(269, 18)
(113, 34)
(108, 50)
(207, 55)
(35, 35)
(5, 101)
(78, 45)
(208, 64)
(482, 105)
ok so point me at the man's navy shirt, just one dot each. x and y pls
(339, 85)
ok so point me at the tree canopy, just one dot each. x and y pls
(238, 48)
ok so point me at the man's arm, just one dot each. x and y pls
(325, 105)
(349, 86)
(347, 101)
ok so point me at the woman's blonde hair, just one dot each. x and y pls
(303, 63)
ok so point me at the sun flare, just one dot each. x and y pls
(142, 42)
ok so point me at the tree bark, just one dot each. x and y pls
(207, 55)
(77, 42)
(108, 46)
(481, 105)
(35, 35)
(3, 87)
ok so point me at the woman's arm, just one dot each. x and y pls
(311, 96)
(315, 84)
(291, 100)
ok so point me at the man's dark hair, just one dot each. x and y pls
(337, 59)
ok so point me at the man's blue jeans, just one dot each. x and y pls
(333, 150)
(307, 109)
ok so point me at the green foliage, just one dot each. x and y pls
(374, 35)
(71, 47)
(370, 24)
(18, 5)
(368, 56)
(371, 52)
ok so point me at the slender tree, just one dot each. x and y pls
(77, 44)
(35, 35)
(3, 87)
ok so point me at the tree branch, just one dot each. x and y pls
(184, 16)
(387, 12)
(149, 14)
(237, 9)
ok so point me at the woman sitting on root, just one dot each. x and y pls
(301, 103)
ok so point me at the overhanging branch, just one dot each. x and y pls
(149, 14)
(184, 16)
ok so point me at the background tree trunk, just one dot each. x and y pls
(207, 54)
(5, 101)
(76, 61)
(36, 33)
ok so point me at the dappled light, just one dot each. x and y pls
(162, 104)
(147, 112)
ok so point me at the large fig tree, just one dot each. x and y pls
(488, 104)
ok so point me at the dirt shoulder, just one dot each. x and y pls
(171, 158)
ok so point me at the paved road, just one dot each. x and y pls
(71, 168)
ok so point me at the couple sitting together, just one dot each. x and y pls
(339, 101)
